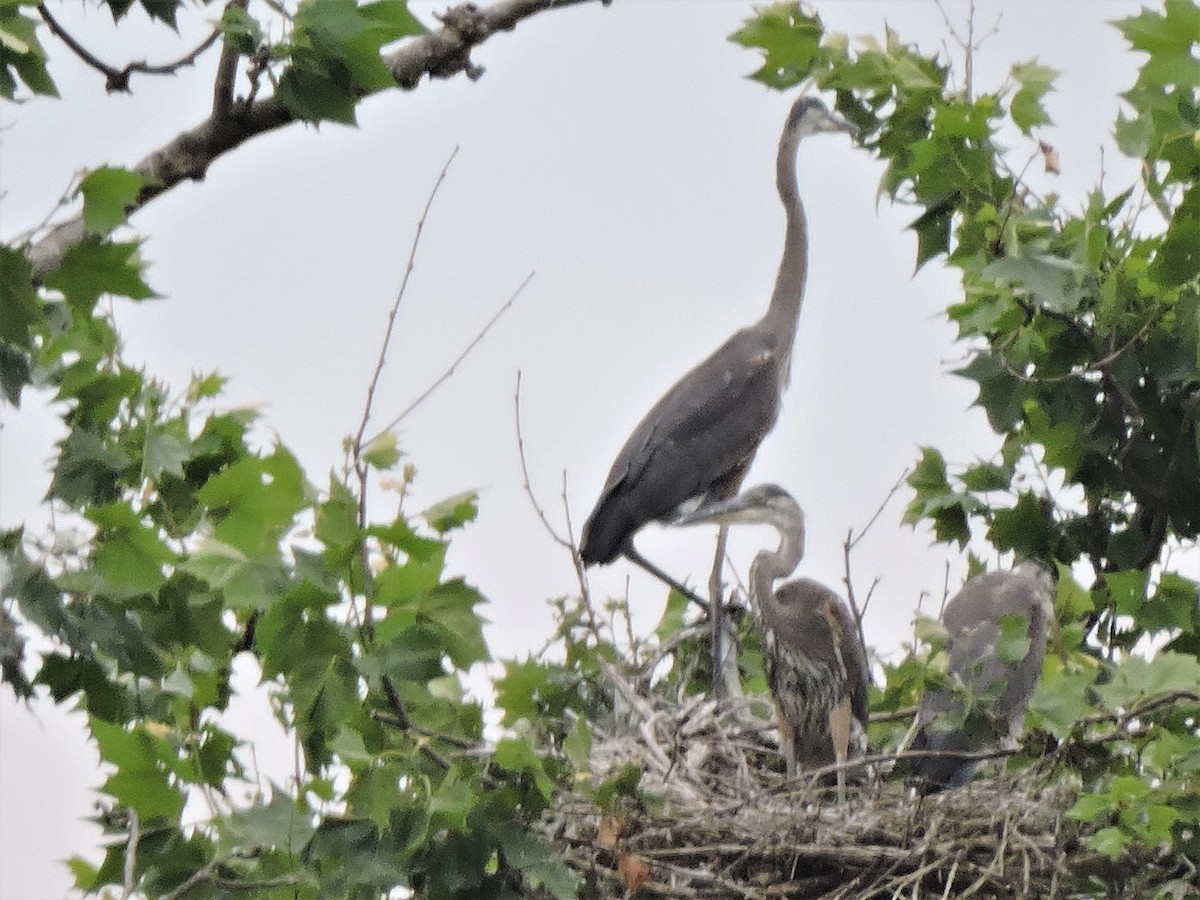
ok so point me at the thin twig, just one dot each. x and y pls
(117, 80)
(849, 544)
(223, 84)
(537, 507)
(381, 360)
(504, 307)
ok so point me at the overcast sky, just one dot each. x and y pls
(621, 155)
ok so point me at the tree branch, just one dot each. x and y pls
(117, 80)
(226, 73)
(440, 54)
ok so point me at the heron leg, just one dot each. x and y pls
(839, 733)
(630, 553)
(722, 639)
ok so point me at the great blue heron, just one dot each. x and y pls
(814, 658)
(699, 439)
(988, 622)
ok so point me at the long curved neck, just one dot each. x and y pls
(784, 312)
(770, 566)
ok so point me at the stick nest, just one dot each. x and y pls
(713, 815)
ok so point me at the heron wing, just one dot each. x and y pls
(701, 434)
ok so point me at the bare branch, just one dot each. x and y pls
(537, 507)
(226, 73)
(117, 80)
(504, 307)
(849, 544)
(391, 322)
(439, 54)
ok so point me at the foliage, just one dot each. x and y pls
(198, 548)
(1082, 333)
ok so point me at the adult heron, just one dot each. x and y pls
(815, 661)
(697, 442)
(988, 622)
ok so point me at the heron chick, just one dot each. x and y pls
(815, 661)
(996, 676)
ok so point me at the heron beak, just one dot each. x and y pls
(834, 122)
(721, 512)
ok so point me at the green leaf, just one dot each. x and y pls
(1110, 841)
(984, 477)
(1127, 590)
(242, 31)
(1034, 80)
(1054, 282)
(246, 583)
(673, 617)
(519, 755)
(1153, 32)
(95, 267)
(1060, 701)
(540, 864)
(21, 52)
(254, 501)
(20, 307)
(933, 229)
(1089, 807)
(789, 40)
(451, 607)
(578, 747)
(107, 194)
(141, 777)
(163, 453)
(128, 555)
(282, 822)
(382, 453)
(1028, 529)
(88, 470)
(1138, 679)
(453, 512)
(14, 372)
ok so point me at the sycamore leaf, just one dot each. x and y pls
(789, 40)
(540, 864)
(20, 50)
(163, 452)
(453, 512)
(107, 194)
(281, 823)
(519, 755)
(19, 304)
(382, 453)
(578, 747)
(1137, 679)
(95, 267)
(1035, 81)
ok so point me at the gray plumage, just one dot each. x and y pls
(995, 691)
(699, 439)
(815, 661)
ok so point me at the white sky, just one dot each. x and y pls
(618, 152)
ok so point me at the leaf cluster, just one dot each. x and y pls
(1081, 333)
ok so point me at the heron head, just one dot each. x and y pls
(766, 504)
(810, 116)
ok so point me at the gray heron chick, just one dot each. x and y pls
(815, 661)
(697, 442)
(996, 685)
